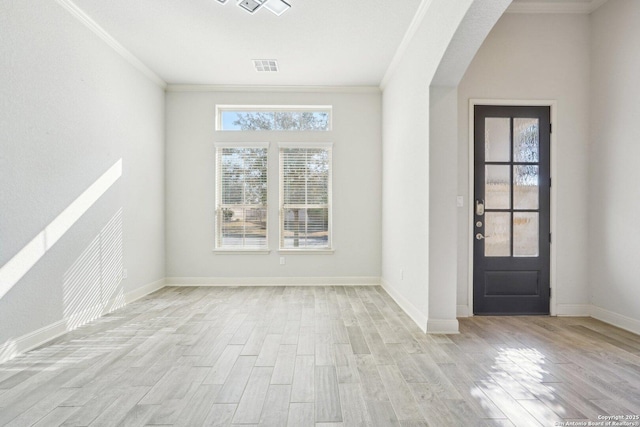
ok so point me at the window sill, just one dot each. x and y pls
(241, 251)
(306, 251)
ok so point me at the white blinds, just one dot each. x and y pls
(305, 194)
(241, 197)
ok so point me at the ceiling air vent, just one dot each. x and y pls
(266, 65)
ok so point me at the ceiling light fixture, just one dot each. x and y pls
(277, 7)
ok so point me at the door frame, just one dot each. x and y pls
(552, 104)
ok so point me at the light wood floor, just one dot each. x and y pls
(318, 356)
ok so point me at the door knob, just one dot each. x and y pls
(479, 236)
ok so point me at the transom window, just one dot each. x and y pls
(273, 118)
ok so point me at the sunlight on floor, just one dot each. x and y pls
(519, 382)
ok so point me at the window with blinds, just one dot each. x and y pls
(241, 196)
(305, 196)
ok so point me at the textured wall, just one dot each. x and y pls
(614, 203)
(356, 138)
(81, 172)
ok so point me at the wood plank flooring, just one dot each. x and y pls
(318, 356)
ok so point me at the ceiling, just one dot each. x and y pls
(316, 42)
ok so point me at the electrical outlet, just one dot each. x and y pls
(124, 273)
(281, 260)
(460, 201)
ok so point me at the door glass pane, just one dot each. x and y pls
(497, 141)
(526, 141)
(525, 187)
(497, 187)
(497, 234)
(525, 234)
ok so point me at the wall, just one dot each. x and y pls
(614, 242)
(190, 204)
(81, 175)
(406, 220)
(443, 153)
(478, 21)
(530, 57)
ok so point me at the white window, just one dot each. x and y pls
(241, 196)
(305, 196)
(299, 118)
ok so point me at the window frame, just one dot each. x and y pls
(218, 200)
(220, 108)
(281, 208)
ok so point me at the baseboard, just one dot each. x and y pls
(122, 299)
(615, 319)
(462, 311)
(272, 281)
(412, 311)
(442, 326)
(145, 290)
(27, 342)
(569, 310)
(573, 310)
(15, 347)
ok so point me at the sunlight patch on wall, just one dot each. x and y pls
(23, 261)
(112, 264)
(92, 282)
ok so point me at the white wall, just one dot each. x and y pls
(443, 150)
(356, 138)
(529, 57)
(70, 109)
(614, 230)
(406, 220)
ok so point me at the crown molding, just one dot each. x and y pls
(406, 41)
(547, 7)
(259, 88)
(92, 25)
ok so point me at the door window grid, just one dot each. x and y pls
(527, 140)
